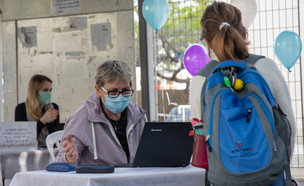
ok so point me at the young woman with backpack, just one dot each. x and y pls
(226, 36)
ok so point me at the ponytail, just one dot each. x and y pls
(223, 29)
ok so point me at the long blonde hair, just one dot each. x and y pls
(228, 41)
(32, 100)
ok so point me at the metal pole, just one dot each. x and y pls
(1, 71)
(147, 66)
(143, 59)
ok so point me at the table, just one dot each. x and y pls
(13, 162)
(178, 176)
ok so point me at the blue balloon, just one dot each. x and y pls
(288, 48)
(156, 12)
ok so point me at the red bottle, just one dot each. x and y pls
(199, 157)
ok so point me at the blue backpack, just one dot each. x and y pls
(247, 134)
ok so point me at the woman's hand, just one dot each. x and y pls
(49, 116)
(70, 149)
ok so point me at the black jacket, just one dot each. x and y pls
(20, 115)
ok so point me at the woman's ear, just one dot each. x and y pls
(97, 90)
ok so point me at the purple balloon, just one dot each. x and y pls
(196, 57)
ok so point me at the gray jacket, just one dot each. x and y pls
(95, 137)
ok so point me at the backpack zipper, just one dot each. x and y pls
(248, 115)
(210, 130)
(264, 107)
(269, 117)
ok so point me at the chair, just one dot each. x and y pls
(51, 139)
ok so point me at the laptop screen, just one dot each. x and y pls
(165, 144)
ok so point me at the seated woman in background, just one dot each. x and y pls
(107, 128)
(38, 107)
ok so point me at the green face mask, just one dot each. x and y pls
(45, 97)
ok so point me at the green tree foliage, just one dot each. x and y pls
(180, 31)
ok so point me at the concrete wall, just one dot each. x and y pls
(9, 54)
(68, 55)
(30, 9)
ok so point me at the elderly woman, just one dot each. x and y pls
(107, 128)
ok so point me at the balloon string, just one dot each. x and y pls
(289, 70)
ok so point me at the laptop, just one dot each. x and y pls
(165, 144)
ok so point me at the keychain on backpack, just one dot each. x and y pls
(228, 83)
(238, 85)
(231, 81)
(229, 78)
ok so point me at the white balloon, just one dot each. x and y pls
(248, 9)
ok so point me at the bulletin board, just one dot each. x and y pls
(69, 49)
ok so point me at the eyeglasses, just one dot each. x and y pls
(115, 93)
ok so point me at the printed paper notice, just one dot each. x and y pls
(78, 23)
(18, 136)
(101, 35)
(28, 36)
(62, 7)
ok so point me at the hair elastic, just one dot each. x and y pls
(223, 24)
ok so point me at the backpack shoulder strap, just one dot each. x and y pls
(206, 72)
(253, 58)
(207, 69)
